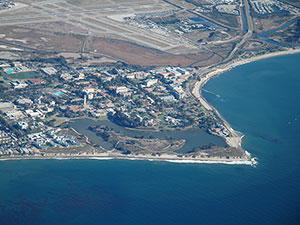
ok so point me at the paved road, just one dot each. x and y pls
(249, 30)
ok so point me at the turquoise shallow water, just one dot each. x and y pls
(260, 99)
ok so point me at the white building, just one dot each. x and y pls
(24, 101)
(179, 92)
(35, 114)
(14, 114)
(121, 89)
(6, 106)
(49, 70)
(151, 82)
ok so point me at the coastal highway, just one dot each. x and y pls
(248, 16)
(249, 33)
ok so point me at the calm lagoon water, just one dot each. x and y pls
(194, 138)
(260, 99)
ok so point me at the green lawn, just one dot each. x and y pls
(165, 127)
(22, 75)
(162, 116)
(171, 27)
(135, 97)
(58, 120)
(5, 85)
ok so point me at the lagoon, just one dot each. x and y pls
(194, 138)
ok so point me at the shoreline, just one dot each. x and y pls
(163, 158)
(236, 139)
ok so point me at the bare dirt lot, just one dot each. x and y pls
(41, 41)
(136, 54)
(263, 24)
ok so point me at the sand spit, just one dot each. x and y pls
(166, 158)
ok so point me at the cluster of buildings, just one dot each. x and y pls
(135, 94)
(151, 98)
(52, 138)
(222, 6)
(6, 5)
(178, 26)
(272, 6)
(5, 142)
(18, 76)
(232, 9)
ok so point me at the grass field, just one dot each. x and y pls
(58, 120)
(22, 75)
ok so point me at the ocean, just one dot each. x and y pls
(260, 99)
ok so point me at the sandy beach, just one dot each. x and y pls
(247, 160)
(236, 138)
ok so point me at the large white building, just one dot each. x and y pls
(49, 70)
(6, 106)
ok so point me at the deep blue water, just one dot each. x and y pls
(260, 99)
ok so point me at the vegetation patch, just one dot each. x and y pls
(23, 75)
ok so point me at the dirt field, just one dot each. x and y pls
(292, 2)
(41, 41)
(263, 24)
(211, 61)
(135, 54)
